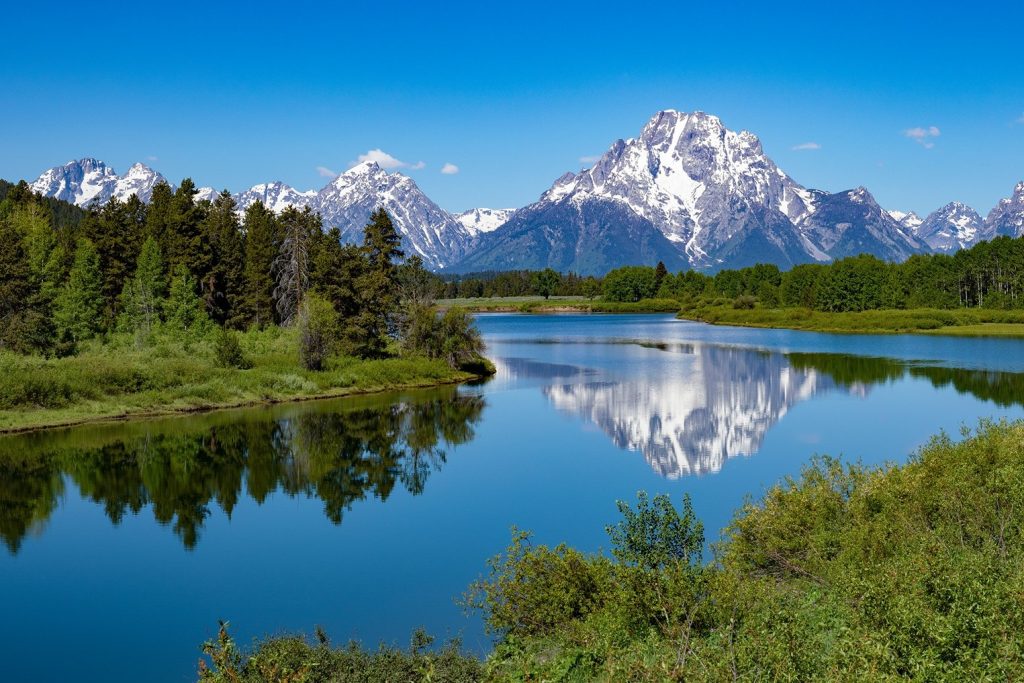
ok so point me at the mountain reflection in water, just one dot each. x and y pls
(723, 403)
(337, 451)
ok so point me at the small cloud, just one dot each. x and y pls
(806, 146)
(152, 157)
(922, 136)
(449, 169)
(1020, 120)
(590, 159)
(326, 172)
(387, 162)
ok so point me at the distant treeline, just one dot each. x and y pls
(989, 275)
(68, 275)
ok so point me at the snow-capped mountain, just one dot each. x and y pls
(953, 227)
(907, 219)
(427, 230)
(1007, 218)
(276, 196)
(852, 222)
(710, 193)
(88, 181)
(206, 194)
(479, 221)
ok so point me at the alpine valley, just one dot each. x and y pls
(687, 191)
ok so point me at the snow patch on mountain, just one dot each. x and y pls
(90, 181)
(478, 221)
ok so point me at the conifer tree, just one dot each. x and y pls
(79, 306)
(15, 286)
(143, 295)
(115, 230)
(184, 311)
(367, 331)
(335, 270)
(222, 285)
(262, 242)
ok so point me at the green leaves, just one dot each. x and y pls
(655, 535)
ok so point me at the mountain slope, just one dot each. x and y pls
(1007, 218)
(585, 235)
(479, 221)
(851, 223)
(427, 230)
(953, 227)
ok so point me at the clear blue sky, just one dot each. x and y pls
(514, 94)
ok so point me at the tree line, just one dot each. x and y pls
(185, 267)
(988, 275)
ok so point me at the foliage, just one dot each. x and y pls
(545, 282)
(630, 283)
(143, 295)
(318, 331)
(292, 265)
(450, 336)
(227, 351)
(78, 308)
(295, 659)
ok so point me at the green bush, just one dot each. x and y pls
(228, 352)
(318, 331)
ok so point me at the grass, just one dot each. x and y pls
(559, 304)
(961, 322)
(117, 380)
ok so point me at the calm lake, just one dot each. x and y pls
(125, 543)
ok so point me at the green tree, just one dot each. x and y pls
(116, 230)
(184, 310)
(142, 297)
(545, 282)
(368, 329)
(318, 331)
(79, 306)
(262, 243)
(629, 283)
(222, 284)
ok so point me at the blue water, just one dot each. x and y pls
(125, 544)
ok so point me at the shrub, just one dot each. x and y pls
(228, 352)
(744, 302)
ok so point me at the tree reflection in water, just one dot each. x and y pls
(338, 451)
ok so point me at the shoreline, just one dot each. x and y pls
(558, 305)
(800, 320)
(197, 409)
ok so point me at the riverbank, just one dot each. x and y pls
(115, 380)
(558, 304)
(961, 322)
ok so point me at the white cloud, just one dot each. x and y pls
(326, 172)
(388, 162)
(806, 146)
(922, 136)
(449, 169)
(153, 157)
(590, 159)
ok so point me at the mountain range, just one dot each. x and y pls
(687, 191)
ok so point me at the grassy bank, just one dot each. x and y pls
(117, 380)
(843, 573)
(558, 304)
(972, 322)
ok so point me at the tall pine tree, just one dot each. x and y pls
(378, 288)
(222, 285)
(292, 266)
(262, 243)
(143, 295)
(79, 306)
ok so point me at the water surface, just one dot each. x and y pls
(125, 543)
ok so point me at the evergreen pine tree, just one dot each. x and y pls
(377, 287)
(262, 242)
(184, 311)
(79, 305)
(115, 230)
(15, 286)
(143, 294)
(222, 284)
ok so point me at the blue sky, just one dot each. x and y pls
(515, 94)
